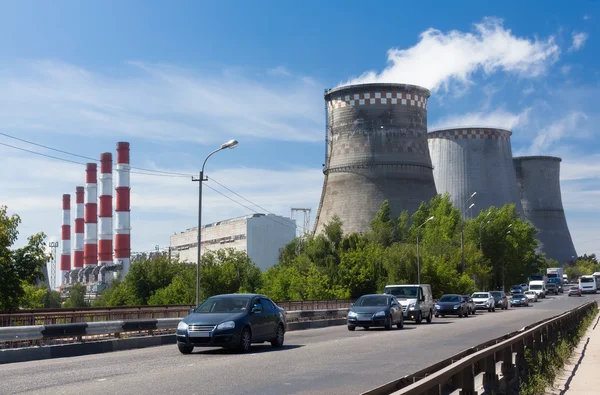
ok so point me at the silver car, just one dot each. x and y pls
(484, 301)
(531, 296)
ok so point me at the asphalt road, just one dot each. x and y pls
(318, 361)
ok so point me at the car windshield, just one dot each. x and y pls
(402, 292)
(372, 300)
(518, 296)
(480, 295)
(529, 293)
(496, 294)
(536, 286)
(516, 287)
(223, 305)
(586, 280)
(450, 298)
(574, 289)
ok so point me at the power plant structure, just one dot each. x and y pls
(93, 254)
(376, 151)
(475, 166)
(538, 180)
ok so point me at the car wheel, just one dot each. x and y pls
(366, 328)
(473, 311)
(388, 323)
(400, 325)
(419, 318)
(437, 315)
(351, 327)
(279, 337)
(429, 317)
(460, 314)
(245, 340)
(185, 349)
(493, 309)
(489, 309)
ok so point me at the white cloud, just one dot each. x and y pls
(579, 40)
(555, 131)
(587, 17)
(158, 102)
(160, 206)
(566, 69)
(499, 118)
(279, 71)
(528, 91)
(439, 60)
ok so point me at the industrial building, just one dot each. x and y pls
(261, 236)
(474, 160)
(376, 151)
(538, 179)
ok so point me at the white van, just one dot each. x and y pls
(416, 300)
(587, 284)
(539, 286)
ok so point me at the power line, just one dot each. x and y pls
(79, 163)
(251, 209)
(166, 174)
(87, 157)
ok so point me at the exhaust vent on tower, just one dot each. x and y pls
(538, 179)
(468, 160)
(377, 151)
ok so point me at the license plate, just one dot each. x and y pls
(199, 334)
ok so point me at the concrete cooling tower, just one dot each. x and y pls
(468, 160)
(376, 151)
(539, 186)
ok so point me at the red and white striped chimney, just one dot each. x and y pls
(105, 232)
(79, 228)
(65, 254)
(90, 246)
(123, 228)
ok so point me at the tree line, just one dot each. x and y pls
(494, 250)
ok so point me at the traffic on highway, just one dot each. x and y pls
(317, 361)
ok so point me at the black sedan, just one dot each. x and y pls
(500, 299)
(519, 300)
(375, 310)
(451, 304)
(232, 321)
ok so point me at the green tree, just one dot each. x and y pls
(76, 296)
(182, 289)
(21, 266)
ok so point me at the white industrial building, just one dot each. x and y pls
(261, 236)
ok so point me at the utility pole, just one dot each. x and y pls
(306, 222)
(53, 245)
(462, 235)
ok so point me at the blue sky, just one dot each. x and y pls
(177, 81)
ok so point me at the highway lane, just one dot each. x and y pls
(319, 361)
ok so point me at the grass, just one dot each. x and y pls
(544, 366)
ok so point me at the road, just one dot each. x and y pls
(318, 361)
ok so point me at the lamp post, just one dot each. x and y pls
(504, 261)
(201, 179)
(418, 253)
(462, 235)
(480, 230)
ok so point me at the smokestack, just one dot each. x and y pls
(105, 233)
(90, 247)
(79, 228)
(122, 228)
(65, 255)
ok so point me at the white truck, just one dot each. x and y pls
(539, 286)
(587, 284)
(555, 272)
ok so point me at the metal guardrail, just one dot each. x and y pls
(45, 335)
(88, 314)
(484, 367)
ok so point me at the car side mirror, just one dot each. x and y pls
(422, 298)
(351, 304)
(256, 309)
(192, 310)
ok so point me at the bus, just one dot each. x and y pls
(597, 277)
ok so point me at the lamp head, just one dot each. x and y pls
(230, 144)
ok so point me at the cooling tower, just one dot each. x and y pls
(469, 160)
(539, 186)
(377, 150)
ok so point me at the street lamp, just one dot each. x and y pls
(201, 179)
(462, 234)
(467, 202)
(504, 261)
(418, 254)
(481, 228)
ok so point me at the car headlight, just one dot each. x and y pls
(380, 314)
(411, 306)
(226, 325)
(352, 314)
(456, 306)
(182, 326)
(437, 306)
